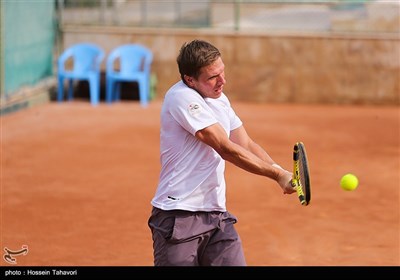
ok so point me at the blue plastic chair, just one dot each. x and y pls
(86, 59)
(134, 66)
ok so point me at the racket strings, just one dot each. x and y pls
(304, 175)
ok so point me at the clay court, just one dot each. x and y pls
(77, 180)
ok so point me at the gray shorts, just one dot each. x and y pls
(184, 238)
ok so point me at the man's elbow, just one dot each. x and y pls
(226, 154)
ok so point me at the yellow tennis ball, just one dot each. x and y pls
(349, 182)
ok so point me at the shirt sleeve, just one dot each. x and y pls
(191, 111)
(234, 120)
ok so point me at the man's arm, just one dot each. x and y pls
(244, 153)
(240, 137)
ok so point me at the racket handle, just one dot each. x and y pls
(299, 191)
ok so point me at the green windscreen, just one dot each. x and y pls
(28, 40)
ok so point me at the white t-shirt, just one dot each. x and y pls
(192, 173)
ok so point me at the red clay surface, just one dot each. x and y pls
(76, 185)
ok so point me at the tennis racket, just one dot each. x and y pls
(301, 175)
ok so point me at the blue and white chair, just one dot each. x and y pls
(86, 60)
(134, 66)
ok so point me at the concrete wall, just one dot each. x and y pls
(317, 68)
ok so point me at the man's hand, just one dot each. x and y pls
(285, 181)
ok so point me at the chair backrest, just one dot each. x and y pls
(132, 58)
(86, 57)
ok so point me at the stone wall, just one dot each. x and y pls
(308, 68)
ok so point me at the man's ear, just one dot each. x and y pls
(189, 80)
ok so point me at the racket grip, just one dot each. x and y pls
(302, 200)
(300, 193)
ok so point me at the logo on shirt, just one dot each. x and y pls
(194, 109)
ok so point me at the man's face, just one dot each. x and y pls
(211, 80)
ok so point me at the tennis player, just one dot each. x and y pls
(189, 221)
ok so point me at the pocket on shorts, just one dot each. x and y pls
(191, 226)
(162, 224)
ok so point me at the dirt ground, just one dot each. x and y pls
(77, 180)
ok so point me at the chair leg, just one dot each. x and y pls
(60, 94)
(143, 93)
(109, 90)
(118, 91)
(70, 89)
(94, 90)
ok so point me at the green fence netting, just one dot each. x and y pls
(27, 42)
